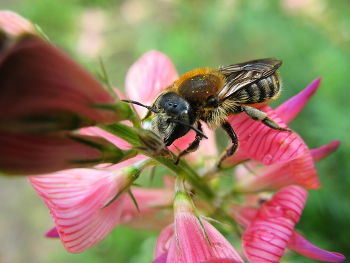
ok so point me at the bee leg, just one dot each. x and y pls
(226, 126)
(193, 146)
(259, 115)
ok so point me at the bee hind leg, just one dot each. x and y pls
(226, 126)
(193, 146)
(259, 115)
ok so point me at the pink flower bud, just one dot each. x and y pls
(37, 154)
(43, 88)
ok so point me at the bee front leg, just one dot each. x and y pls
(193, 146)
(226, 126)
(259, 115)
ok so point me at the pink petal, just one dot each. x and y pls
(192, 245)
(151, 204)
(164, 240)
(222, 260)
(161, 258)
(76, 198)
(243, 214)
(148, 77)
(267, 236)
(325, 150)
(266, 145)
(239, 157)
(37, 78)
(304, 172)
(207, 148)
(300, 245)
(14, 25)
(289, 109)
(52, 233)
(300, 171)
(95, 131)
(36, 154)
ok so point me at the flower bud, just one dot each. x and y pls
(36, 154)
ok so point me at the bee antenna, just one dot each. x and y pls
(189, 126)
(140, 104)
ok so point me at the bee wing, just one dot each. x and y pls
(242, 74)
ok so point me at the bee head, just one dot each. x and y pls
(174, 117)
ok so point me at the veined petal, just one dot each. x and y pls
(300, 245)
(267, 236)
(191, 243)
(300, 171)
(37, 79)
(290, 108)
(193, 246)
(14, 25)
(148, 77)
(266, 145)
(76, 199)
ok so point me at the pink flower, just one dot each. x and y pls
(268, 234)
(270, 229)
(77, 199)
(194, 240)
(253, 177)
(268, 146)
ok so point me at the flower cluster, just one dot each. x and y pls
(55, 97)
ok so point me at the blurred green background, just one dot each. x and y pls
(312, 37)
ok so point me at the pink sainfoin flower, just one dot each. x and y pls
(191, 239)
(252, 176)
(76, 202)
(270, 228)
(269, 146)
(301, 170)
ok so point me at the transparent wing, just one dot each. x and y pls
(242, 74)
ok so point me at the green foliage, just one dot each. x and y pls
(313, 42)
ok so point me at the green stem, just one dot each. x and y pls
(184, 170)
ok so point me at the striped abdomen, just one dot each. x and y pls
(260, 91)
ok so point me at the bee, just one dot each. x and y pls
(211, 95)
